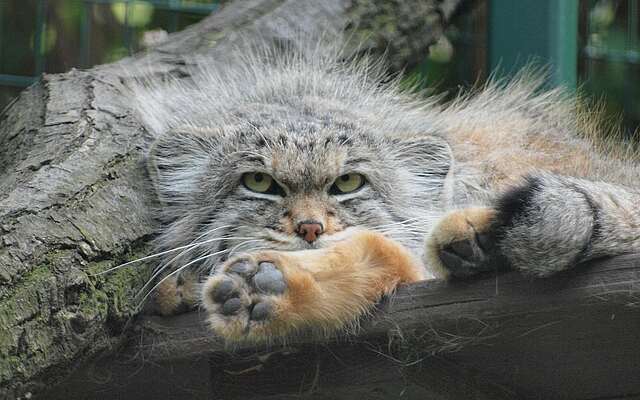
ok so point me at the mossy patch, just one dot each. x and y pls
(46, 320)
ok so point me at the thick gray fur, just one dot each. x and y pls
(305, 116)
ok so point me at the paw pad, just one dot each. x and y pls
(469, 257)
(243, 268)
(261, 311)
(269, 279)
(244, 291)
(223, 290)
(231, 306)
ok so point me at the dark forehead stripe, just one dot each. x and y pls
(357, 160)
(254, 159)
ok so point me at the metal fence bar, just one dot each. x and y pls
(548, 36)
(40, 37)
(16, 80)
(194, 8)
(632, 24)
(173, 19)
(563, 46)
(2, 5)
(85, 33)
(40, 40)
(126, 29)
(632, 27)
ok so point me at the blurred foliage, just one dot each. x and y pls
(609, 59)
(610, 67)
(135, 14)
(458, 59)
(56, 35)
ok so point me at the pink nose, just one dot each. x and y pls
(309, 230)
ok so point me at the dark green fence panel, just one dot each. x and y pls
(28, 30)
(540, 31)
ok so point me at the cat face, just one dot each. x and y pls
(290, 149)
(294, 186)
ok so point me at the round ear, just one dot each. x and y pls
(429, 161)
(427, 156)
(176, 162)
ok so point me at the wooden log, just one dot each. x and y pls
(572, 336)
(74, 195)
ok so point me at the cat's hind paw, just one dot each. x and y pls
(462, 244)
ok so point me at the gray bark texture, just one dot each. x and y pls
(501, 337)
(74, 195)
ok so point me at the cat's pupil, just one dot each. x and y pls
(344, 178)
(258, 177)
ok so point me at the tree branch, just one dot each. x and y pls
(74, 197)
(506, 337)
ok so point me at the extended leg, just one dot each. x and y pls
(547, 224)
(269, 295)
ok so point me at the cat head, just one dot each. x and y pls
(300, 183)
(290, 154)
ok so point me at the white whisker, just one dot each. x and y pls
(160, 253)
(173, 273)
(161, 268)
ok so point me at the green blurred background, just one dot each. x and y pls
(593, 45)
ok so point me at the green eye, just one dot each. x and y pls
(347, 183)
(257, 182)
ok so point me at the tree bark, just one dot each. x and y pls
(502, 337)
(74, 195)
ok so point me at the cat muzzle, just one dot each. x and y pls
(309, 230)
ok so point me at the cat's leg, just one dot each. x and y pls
(269, 295)
(175, 294)
(547, 224)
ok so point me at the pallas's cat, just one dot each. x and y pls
(297, 189)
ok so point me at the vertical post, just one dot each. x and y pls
(563, 51)
(39, 41)
(85, 33)
(540, 31)
(630, 46)
(127, 30)
(633, 31)
(173, 19)
(2, 6)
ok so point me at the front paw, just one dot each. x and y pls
(260, 297)
(462, 244)
(242, 300)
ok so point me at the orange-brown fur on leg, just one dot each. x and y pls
(176, 294)
(326, 289)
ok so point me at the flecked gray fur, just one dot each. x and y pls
(306, 117)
